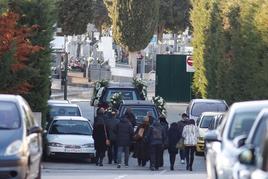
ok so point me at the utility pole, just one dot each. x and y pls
(65, 81)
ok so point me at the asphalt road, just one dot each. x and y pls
(67, 169)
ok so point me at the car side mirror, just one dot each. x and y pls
(240, 141)
(212, 136)
(247, 157)
(35, 130)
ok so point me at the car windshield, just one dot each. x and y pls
(199, 108)
(64, 111)
(70, 127)
(141, 111)
(242, 123)
(86, 110)
(9, 116)
(206, 120)
(127, 94)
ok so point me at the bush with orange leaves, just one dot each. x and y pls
(15, 49)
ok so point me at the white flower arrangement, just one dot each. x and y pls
(141, 86)
(98, 90)
(160, 104)
(116, 99)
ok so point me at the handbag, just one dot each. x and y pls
(180, 144)
(141, 132)
(107, 141)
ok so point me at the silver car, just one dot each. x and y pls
(223, 151)
(197, 106)
(70, 137)
(20, 140)
(251, 151)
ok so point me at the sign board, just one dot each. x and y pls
(189, 64)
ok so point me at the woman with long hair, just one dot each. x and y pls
(141, 147)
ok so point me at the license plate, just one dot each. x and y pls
(72, 150)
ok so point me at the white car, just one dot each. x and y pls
(70, 137)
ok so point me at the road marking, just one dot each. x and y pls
(161, 173)
(121, 177)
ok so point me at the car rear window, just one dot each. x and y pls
(9, 116)
(70, 127)
(199, 108)
(128, 94)
(140, 112)
(205, 122)
(64, 111)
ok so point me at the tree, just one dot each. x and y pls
(200, 19)
(74, 16)
(101, 18)
(42, 14)
(214, 50)
(15, 49)
(173, 17)
(134, 23)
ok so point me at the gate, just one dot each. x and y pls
(173, 83)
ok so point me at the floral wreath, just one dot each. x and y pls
(98, 90)
(116, 100)
(160, 104)
(141, 86)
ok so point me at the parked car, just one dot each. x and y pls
(197, 106)
(54, 101)
(222, 153)
(85, 107)
(251, 150)
(216, 121)
(20, 140)
(128, 91)
(262, 163)
(62, 109)
(206, 119)
(69, 137)
(139, 109)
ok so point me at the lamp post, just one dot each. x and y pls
(65, 80)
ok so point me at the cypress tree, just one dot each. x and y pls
(40, 13)
(134, 22)
(74, 16)
(214, 49)
(200, 20)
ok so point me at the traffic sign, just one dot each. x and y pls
(189, 64)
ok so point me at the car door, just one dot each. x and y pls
(33, 141)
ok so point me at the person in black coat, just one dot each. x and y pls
(141, 148)
(124, 134)
(100, 135)
(173, 139)
(131, 117)
(181, 125)
(164, 124)
(111, 124)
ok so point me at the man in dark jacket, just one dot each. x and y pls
(111, 124)
(181, 125)
(151, 118)
(155, 138)
(164, 124)
(124, 135)
(131, 117)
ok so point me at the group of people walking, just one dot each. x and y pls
(148, 141)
